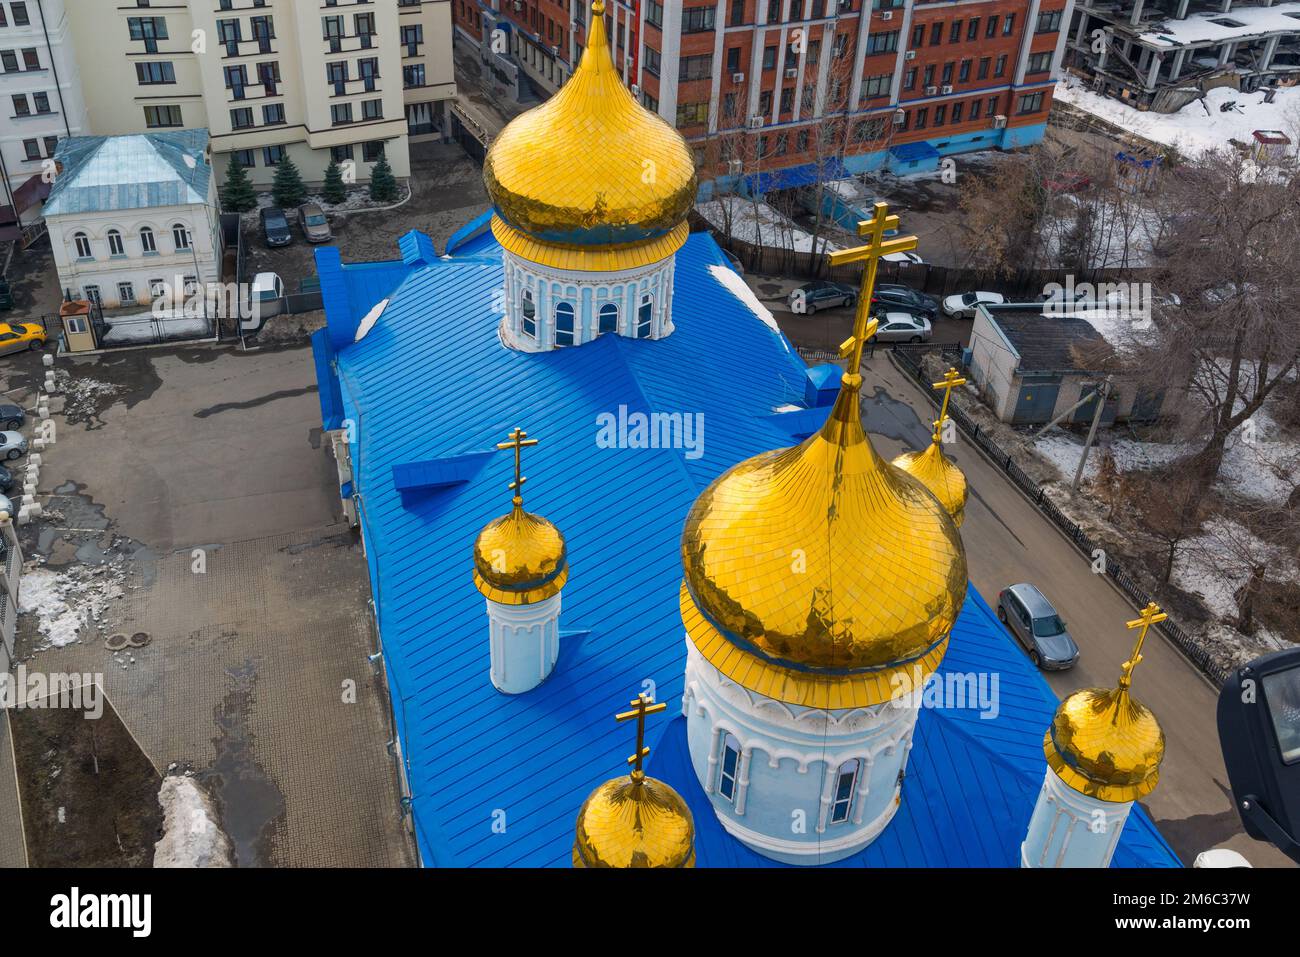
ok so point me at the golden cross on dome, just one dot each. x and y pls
(642, 705)
(1151, 614)
(951, 380)
(518, 441)
(863, 326)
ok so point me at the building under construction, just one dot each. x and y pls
(1161, 54)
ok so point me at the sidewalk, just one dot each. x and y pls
(13, 847)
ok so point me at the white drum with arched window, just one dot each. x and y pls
(608, 319)
(564, 324)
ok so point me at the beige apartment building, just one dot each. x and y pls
(309, 79)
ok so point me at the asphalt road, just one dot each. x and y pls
(1008, 541)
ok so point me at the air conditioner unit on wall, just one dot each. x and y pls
(756, 122)
(999, 122)
(791, 73)
(887, 15)
(947, 89)
(909, 55)
(734, 167)
(900, 117)
(518, 5)
(931, 91)
(737, 78)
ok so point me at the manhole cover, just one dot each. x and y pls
(116, 642)
(139, 639)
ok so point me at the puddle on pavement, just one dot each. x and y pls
(75, 530)
(247, 799)
(885, 415)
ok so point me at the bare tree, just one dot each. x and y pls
(1168, 503)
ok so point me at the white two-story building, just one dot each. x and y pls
(133, 218)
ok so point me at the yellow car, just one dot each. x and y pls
(20, 336)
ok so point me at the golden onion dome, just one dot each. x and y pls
(1106, 744)
(520, 558)
(590, 167)
(634, 821)
(937, 473)
(818, 573)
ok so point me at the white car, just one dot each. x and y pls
(12, 445)
(963, 306)
(904, 259)
(902, 327)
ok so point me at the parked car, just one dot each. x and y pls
(1032, 619)
(902, 327)
(963, 306)
(7, 506)
(314, 224)
(890, 296)
(903, 259)
(12, 445)
(6, 479)
(821, 294)
(20, 336)
(12, 417)
(275, 226)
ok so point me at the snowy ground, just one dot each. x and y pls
(358, 201)
(1199, 126)
(70, 604)
(191, 835)
(1123, 234)
(146, 327)
(760, 225)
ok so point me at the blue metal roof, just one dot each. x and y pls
(135, 171)
(431, 382)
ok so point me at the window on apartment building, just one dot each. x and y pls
(148, 29)
(878, 85)
(332, 32)
(654, 14)
(984, 68)
(413, 76)
(841, 44)
(242, 118)
(733, 59)
(21, 106)
(1039, 62)
(918, 36)
(773, 11)
(906, 121)
(936, 34)
(765, 102)
(814, 51)
(32, 149)
(649, 102)
(82, 242)
(91, 293)
(337, 75)
(31, 60)
(782, 141)
(769, 58)
(973, 28)
(787, 100)
(1031, 102)
(3, 21)
(236, 81)
(975, 109)
(263, 32)
(341, 113)
(1000, 67)
(341, 154)
(879, 42)
(51, 144)
(365, 27)
(229, 34)
(1048, 22)
(368, 69)
(695, 67)
(180, 236)
(921, 116)
(9, 60)
(273, 114)
(735, 19)
(163, 116)
(268, 74)
(929, 75)
(372, 109)
(992, 105)
(126, 293)
(245, 158)
(271, 155)
(697, 19)
(653, 62)
(19, 12)
(991, 30)
(909, 78)
(690, 114)
(940, 114)
(115, 245)
(954, 34)
(41, 101)
(1008, 24)
(963, 74)
(947, 73)
(819, 8)
(150, 74)
(413, 38)
(370, 152)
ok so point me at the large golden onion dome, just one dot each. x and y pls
(519, 558)
(591, 167)
(634, 821)
(816, 574)
(937, 473)
(1106, 744)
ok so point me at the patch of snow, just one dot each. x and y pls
(148, 328)
(760, 225)
(71, 602)
(370, 319)
(191, 835)
(1240, 21)
(740, 289)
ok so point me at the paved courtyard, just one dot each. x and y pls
(188, 498)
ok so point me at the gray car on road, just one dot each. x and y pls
(1032, 619)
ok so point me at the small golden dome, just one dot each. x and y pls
(817, 573)
(590, 166)
(634, 821)
(937, 473)
(520, 558)
(1106, 744)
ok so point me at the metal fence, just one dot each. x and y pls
(908, 359)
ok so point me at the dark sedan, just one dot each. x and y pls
(892, 297)
(275, 227)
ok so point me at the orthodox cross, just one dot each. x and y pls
(642, 705)
(518, 440)
(864, 327)
(1150, 615)
(950, 381)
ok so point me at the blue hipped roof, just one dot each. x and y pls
(431, 383)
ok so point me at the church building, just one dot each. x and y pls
(588, 469)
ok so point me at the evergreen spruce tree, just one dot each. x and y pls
(334, 192)
(383, 184)
(288, 188)
(237, 193)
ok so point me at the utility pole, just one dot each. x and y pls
(1102, 393)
